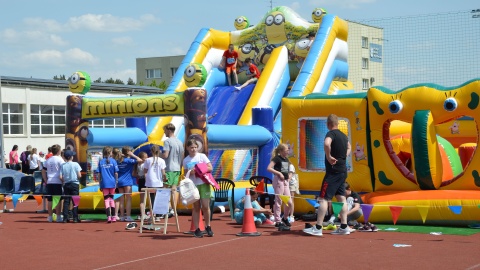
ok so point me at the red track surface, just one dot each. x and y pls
(28, 241)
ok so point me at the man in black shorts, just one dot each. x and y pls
(337, 148)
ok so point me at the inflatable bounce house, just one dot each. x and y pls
(414, 149)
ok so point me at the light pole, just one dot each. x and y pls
(2, 161)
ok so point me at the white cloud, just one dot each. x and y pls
(123, 41)
(46, 25)
(116, 74)
(109, 23)
(58, 58)
(348, 4)
(37, 37)
(295, 5)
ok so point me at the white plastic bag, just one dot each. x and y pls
(188, 191)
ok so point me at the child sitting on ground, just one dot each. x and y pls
(260, 214)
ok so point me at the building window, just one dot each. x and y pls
(365, 63)
(173, 70)
(154, 73)
(365, 84)
(12, 118)
(47, 119)
(108, 123)
(365, 42)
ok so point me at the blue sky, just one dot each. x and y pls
(41, 39)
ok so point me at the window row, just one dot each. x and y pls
(44, 119)
(157, 73)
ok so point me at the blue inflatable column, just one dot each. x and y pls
(140, 123)
(264, 117)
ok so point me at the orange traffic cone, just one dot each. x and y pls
(248, 228)
(260, 188)
(201, 225)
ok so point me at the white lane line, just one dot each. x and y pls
(169, 253)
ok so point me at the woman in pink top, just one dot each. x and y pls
(13, 156)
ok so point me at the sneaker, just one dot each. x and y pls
(59, 219)
(237, 88)
(198, 233)
(49, 219)
(286, 222)
(129, 219)
(268, 222)
(121, 219)
(131, 226)
(352, 229)
(307, 226)
(158, 219)
(277, 224)
(331, 226)
(109, 219)
(313, 231)
(76, 220)
(258, 222)
(209, 231)
(283, 227)
(341, 231)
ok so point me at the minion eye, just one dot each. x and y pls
(302, 43)
(279, 19)
(190, 71)
(247, 48)
(317, 13)
(395, 106)
(240, 20)
(74, 79)
(269, 20)
(450, 104)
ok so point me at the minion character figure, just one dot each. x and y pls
(275, 28)
(246, 50)
(318, 14)
(241, 23)
(79, 83)
(195, 75)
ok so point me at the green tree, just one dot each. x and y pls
(163, 85)
(111, 80)
(99, 80)
(118, 81)
(153, 84)
(59, 78)
(130, 81)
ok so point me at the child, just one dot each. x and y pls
(69, 174)
(253, 72)
(294, 189)
(229, 62)
(107, 173)
(139, 174)
(260, 214)
(154, 169)
(204, 189)
(126, 160)
(33, 161)
(279, 166)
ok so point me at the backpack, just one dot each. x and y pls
(188, 191)
(201, 171)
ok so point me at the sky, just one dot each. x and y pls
(41, 39)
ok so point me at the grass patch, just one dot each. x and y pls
(429, 229)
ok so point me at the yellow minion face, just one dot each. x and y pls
(275, 28)
(241, 23)
(195, 75)
(318, 14)
(427, 111)
(247, 50)
(79, 82)
(301, 47)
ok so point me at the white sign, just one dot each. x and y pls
(162, 201)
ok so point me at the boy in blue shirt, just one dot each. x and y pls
(69, 175)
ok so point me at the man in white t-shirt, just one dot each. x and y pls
(51, 175)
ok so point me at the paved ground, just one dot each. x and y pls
(28, 241)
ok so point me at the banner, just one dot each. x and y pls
(151, 105)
